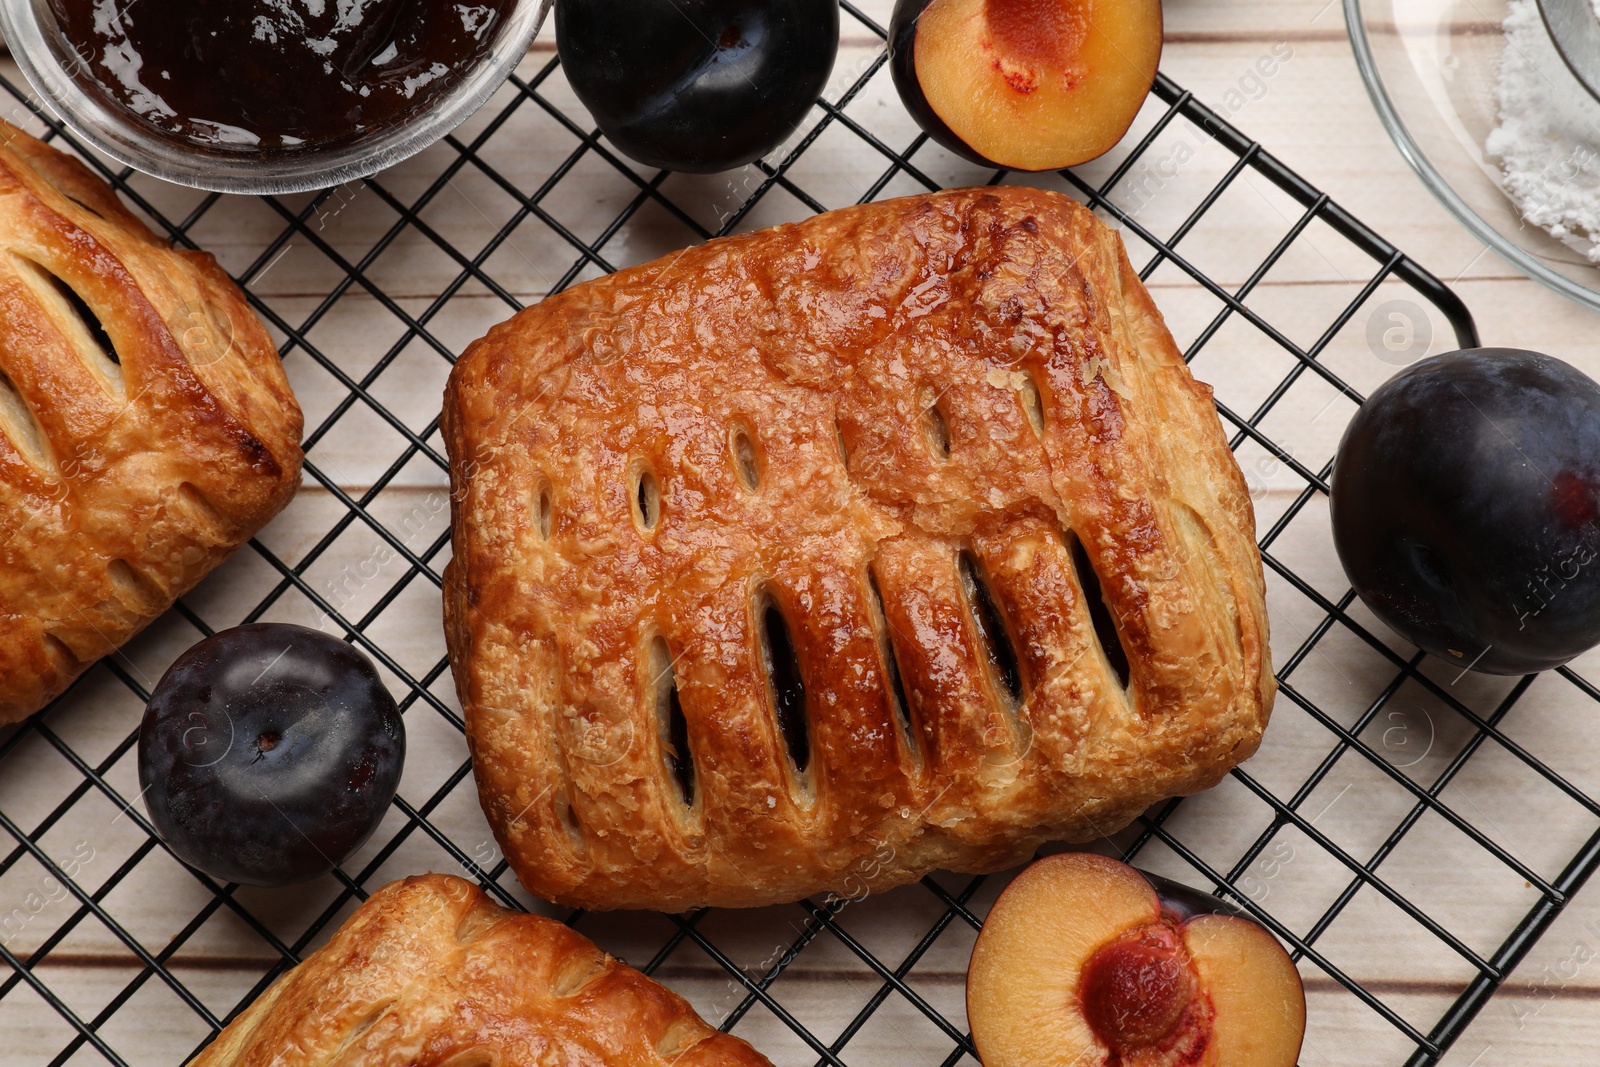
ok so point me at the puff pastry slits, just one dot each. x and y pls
(147, 428)
(942, 542)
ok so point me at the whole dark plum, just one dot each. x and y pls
(697, 85)
(269, 753)
(1466, 494)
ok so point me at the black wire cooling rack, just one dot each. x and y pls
(96, 970)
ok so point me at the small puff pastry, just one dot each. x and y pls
(430, 973)
(778, 562)
(146, 424)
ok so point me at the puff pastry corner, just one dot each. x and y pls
(147, 428)
(430, 973)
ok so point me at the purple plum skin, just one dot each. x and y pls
(1465, 501)
(700, 87)
(269, 754)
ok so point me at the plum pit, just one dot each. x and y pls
(1136, 991)
(1036, 34)
(1084, 960)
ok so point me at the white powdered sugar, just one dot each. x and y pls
(1548, 137)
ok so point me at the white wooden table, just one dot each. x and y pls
(1311, 112)
(1315, 115)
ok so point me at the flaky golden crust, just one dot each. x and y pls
(122, 482)
(845, 349)
(430, 973)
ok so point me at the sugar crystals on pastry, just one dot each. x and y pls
(430, 973)
(147, 428)
(818, 558)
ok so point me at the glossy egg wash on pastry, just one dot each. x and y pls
(147, 427)
(275, 74)
(821, 557)
(430, 973)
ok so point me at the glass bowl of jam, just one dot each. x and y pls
(266, 96)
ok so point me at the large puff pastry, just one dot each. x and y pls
(430, 973)
(146, 425)
(776, 560)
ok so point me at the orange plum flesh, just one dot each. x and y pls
(1037, 84)
(1080, 965)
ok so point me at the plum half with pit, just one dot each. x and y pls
(269, 753)
(697, 85)
(1085, 960)
(1025, 84)
(1466, 508)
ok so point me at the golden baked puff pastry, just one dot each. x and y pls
(813, 559)
(146, 425)
(430, 973)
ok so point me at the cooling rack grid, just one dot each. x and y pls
(1365, 834)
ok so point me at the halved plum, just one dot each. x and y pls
(1025, 84)
(1086, 961)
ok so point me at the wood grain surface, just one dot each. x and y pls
(1313, 113)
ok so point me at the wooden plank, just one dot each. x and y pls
(1312, 112)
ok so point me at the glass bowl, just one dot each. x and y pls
(1431, 68)
(54, 70)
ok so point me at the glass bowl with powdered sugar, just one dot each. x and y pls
(265, 95)
(1482, 106)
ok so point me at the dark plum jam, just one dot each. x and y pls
(276, 75)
